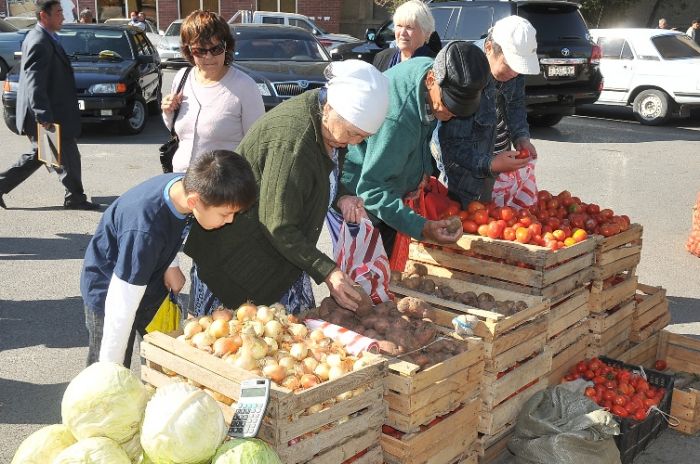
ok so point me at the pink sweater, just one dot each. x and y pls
(214, 116)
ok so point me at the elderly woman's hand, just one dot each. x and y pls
(437, 231)
(353, 208)
(340, 286)
(171, 102)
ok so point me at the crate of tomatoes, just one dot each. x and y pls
(634, 396)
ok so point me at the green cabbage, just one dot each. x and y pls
(182, 425)
(43, 445)
(133, 449)
(245, 451)
(96, 450)
(104, 400)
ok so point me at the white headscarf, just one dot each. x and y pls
(359, 93)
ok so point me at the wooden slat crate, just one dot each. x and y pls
(448, 441)
(372, 455)
(495, 389)
(501, 417)
(682, 354)
(604, 298)
(510, 265)
(567, 312)
(642, 353)
(651, 312)
(491, 323)
(361, 416)
(618, 253)
(564, 360)
(416, 397)
(610, 331)
(491, 447)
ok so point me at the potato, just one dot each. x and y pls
(395, 277)
(416, 269)
(412, 307)
(487, 305)
(422, 359)
(398, 324)
(468, 298)
(389, 348)
(381, 325)
(454, 225)
(412, 282)
(368, 321)
(520, 305)
(429, 314)
(424, 335)
(383, 309)
(441, 344)
(485, 297)
(366, 304)
(427, 286)
(447, 292)
(370, 333)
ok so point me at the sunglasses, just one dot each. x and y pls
(201, 52)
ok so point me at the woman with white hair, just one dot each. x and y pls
(414, 31)
(268, 254)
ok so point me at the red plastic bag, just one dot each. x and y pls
(693, 245)
(364, 259)
(517, 189)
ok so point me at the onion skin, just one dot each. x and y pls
(222, 314)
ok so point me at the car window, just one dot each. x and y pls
(141, 44)
(611, 47)
(6, 27)
(92, 42)
(473, 24)
(386, 34)
(627, 52)
(555, 22)
(676, 47)
(302, 24)
(173, 29)
(445, 21)
(282, 48)
(272, 20)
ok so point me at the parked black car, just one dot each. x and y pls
(117, 75)
(283, 60)
(569, 59)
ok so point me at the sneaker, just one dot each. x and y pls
(83, 205)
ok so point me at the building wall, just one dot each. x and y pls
(358, 15)
(325, 13)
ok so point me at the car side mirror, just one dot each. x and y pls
(17, 56)
(145, 59)
(371, 34)
(336, 57)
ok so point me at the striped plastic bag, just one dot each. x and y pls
(364, 259)
(517, 189)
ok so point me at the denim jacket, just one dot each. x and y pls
(467, 143)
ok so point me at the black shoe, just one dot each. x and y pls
(82, 205)
(2, 202)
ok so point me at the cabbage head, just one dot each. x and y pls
(245, 451)
(96, 450)
(133, 449)
(43, 445)
(182, 425)
(104, 400)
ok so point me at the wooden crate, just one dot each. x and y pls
(602, 322)
(563, 361)
(510, 265)
(568, 337)
(491, 323)
(448, 441)
(682, 353)
(496, 388)
(371, 455)
(503, 416)
(651, 312)
(491, 447)
(567, 312)
(416, 397)
(642, 353)
(621, 252)
(505, 350)
(361, 416)
(604, 298)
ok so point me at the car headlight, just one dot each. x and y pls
(264, 90)
(113, 87)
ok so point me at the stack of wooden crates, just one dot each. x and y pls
(682, 354)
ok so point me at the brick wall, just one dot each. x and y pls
(321, 9)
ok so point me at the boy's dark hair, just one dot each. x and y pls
(222, 177)
(45, 6)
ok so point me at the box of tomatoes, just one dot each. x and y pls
(634, 396)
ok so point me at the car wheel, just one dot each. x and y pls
(651, 107)
(544, 120)
(4, 69)
(137, 120)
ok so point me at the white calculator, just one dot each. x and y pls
(250, 409)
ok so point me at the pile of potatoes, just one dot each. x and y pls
(404, 329)
(417, 279)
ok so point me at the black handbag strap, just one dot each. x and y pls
(179, 89)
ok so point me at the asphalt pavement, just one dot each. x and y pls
(649, 173)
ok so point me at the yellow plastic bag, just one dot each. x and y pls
(167, 318)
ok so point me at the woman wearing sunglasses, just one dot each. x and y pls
(268, 254)
(218, 102)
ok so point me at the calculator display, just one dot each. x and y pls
(248, 392)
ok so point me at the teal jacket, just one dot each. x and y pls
(392, 162)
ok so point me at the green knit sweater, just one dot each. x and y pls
(263, 252)
(392, 162)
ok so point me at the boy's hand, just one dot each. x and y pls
(506, 161)
(174, 279)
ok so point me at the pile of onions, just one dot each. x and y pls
(271, 343)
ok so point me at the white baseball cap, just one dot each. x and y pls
(517, 38)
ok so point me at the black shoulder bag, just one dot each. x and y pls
(168, 149)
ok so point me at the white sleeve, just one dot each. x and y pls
(175, 262)
(122, 301)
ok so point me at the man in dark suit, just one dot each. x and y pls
(47, 95)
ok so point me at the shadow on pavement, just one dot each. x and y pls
(104, 200)
(154, 132)
(19, 398)
(683, 310)
(50, 323)
(64, 246)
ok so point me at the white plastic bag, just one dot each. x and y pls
(517, 189)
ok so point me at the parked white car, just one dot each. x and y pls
(151, 30)
(169, 47)
(655, 71)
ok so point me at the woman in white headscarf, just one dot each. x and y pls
(268, 254)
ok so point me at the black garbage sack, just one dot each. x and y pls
(559, 426)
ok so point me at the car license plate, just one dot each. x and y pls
(81, 104)
(178, 55)
(106, 112)
(561, 71)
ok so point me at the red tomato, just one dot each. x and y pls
(640, 415)
(523, 153)
(607, 213)
(543, 195)
(660, 365)
(481, 216)
(463, 216)
(470, 227)
(649, 402)
(523, 235)
(623, 376)
(453, 209)
(483, 230)
(609, 395)
(579, 235)
(620, 400)
(474, 206)
(496, 229)
(599, 380)
(559, 234)
(536, 228)
(507, 213)
(509, 234)
(619, 410)
(592, 208)
(590, 392)
(610, 384)
(526, 221)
